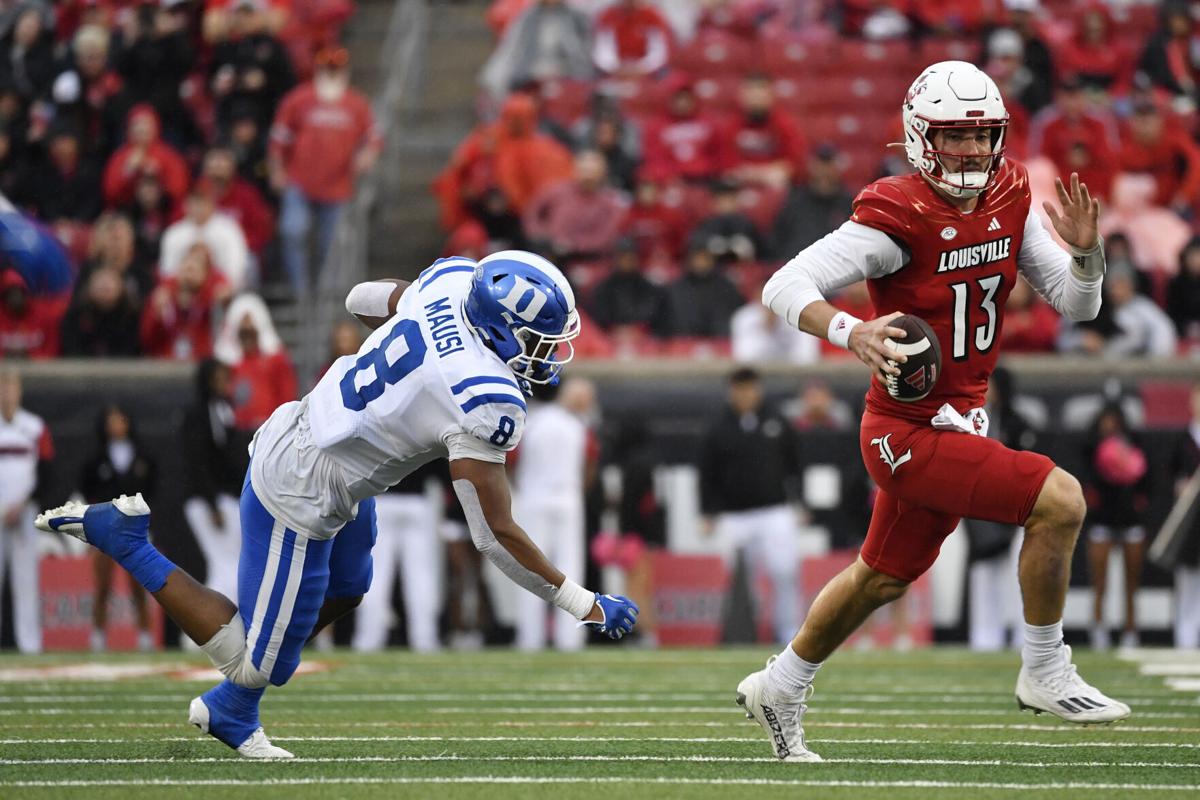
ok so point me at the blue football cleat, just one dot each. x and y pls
(116, 528)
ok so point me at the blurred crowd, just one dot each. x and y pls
(672, 153)
(182, 153)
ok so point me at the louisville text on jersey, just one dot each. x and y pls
(975, 254)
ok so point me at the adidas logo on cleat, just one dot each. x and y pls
(781, 746)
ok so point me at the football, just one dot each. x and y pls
(919, 374)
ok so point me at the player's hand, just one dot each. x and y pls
(868, 342)
(1077, 225)
(617, 615)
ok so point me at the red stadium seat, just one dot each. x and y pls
(877, 58)
(796, 55)
(696, 347)
(1166, 403)
(718, 93)
(641, 98)
(934, 50)
(715, 54)
(760, 204)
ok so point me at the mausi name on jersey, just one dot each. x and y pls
(975, 254)
(447, 338)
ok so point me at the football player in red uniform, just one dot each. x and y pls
(945, 244)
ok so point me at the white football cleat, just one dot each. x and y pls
(1067, 696)
(256, 746)
(780, 719)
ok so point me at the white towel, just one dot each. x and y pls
(974, 421)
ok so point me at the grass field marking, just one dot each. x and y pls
(690, 759)
(620, 739)
(566, 780)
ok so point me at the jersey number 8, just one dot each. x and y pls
(385, 374)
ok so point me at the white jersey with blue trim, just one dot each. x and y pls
(422, 386)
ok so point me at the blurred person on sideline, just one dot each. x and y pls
(117, 466)
(1185, 464)
(549, 479)
(324, 137)
(817, 408)
(25, 450)
(1183, 295)
(217, 460)
(749, 484)
(406, 547)
(1117, 491)
(263, 377)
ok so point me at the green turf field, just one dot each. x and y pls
(612, 723)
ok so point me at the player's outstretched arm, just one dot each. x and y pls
(374, 302)
(482, 489)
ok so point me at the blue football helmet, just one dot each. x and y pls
(522, 306)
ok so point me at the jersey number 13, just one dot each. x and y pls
(985, 295)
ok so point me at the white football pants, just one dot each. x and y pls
(221, 545)
(407, 539)
(555, 524)
(1187, 607)
(769, 536)
(19, 557)
(995, 601)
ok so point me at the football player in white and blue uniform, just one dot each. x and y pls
(444, 375)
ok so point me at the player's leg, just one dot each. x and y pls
(120, 530)
(1048, 680)
(1099, 545)
(351, 566)
(283, 576)
(1134, 551)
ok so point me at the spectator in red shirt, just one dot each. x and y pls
(1077, 138)
(90, 94)
(767, 146)
(631, 40)
(238, 198)
(580, 217)
(657, 229)
(144, 153)
(1161, 147)
(323, 138)
(178, 320)
(1095, 54)
(510, 156)
(28, 324)
(1030, 324)
(683, 142)
(263, 377)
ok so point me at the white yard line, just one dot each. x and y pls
(518, 780)
(696, 759)
(611, 739)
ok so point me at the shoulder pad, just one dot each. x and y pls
(493, 408)
(886, 205)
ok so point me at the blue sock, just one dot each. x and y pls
(233, 711)
(148, 567)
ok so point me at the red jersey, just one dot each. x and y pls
(960, 270)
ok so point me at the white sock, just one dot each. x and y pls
(1042, 643)
(790, 675)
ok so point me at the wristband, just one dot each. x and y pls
(574, 599)
(840, 327)
(1088, 265)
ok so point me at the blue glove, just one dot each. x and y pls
(620, 615)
